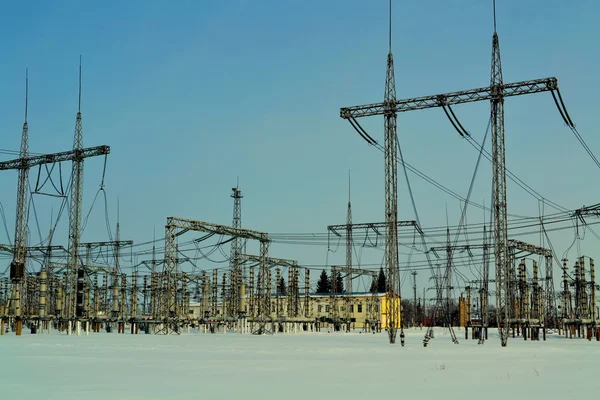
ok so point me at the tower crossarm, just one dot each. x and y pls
(356, 271)
(113, 243)
(593, 211)
(529, 248)
(460, 247)
(200, 226)
(282, 262)
(371, 225)
(70, 155)
(452, 98)
(7, 248)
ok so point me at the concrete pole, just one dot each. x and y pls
(306, 293)
(42, 311)
(252, 296)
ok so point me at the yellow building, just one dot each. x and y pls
(361, 310)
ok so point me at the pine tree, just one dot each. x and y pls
(339, 283)
(281, 287)
(381, 282)
(373, 287)
(323, 285)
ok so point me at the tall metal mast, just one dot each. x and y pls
(75, 208)
(391, 195)
(495, 93)
(349, 242)
(19, 262)
(499, 188)
(235, 275)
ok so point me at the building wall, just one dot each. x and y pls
(320, 307)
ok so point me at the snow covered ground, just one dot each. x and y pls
(304, 366)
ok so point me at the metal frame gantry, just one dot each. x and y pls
(496, 92)
(528, 316)
(580, 312)
(170, 311)
(18, 266)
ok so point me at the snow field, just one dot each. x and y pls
(305, 366)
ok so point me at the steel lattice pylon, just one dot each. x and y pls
(499, 192)
(391, 202)
(235, 275)
(495, 93)
(348, 292)
(19, 262)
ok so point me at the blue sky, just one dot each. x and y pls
(192, 94)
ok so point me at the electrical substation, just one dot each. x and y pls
(67, 291)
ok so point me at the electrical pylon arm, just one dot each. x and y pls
(31, 249)
(70, 155)
(95, 245)
(452, 98)
(272, 261)
(200, 226)
(593, 211)
(371, 225)
(529, 248)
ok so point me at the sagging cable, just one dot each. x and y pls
(452, 121)
(458, 121)
(571, 124)
(361, 131)
(560, 109)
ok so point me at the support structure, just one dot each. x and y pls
(235, 270)
(495, 93)
(393, 289)
(75, 210)
(19, 262)
(23, 164)
(169, 313)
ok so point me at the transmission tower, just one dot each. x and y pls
(75, 211)
(495, 93)
(391, 196)
(19, 262)
(348, 293)
(235, 275)
(499, 189)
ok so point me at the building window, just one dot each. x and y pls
(376, 307)
(341, 308)
(326, 308)
(369, 307)
(320, 308)
(359, 308)
(191, 312)
(351, 308)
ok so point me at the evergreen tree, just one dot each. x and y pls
(339, 283)
(381, 282)
(323, 285)
(373, 287)
(281, 287)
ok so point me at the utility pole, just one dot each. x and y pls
(414, 313)
(495, 93)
